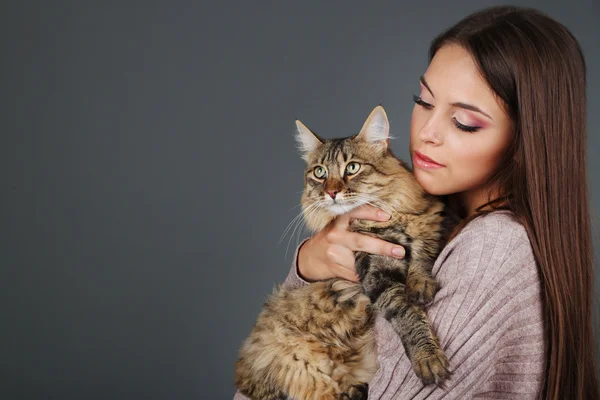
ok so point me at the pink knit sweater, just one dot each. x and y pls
(487, 314)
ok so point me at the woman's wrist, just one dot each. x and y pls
(301, 263)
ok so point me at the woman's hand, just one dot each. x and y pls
(330, 252)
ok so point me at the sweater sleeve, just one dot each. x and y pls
(293, 280)
(487, 314)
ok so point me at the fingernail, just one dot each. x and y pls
(398, 251)
(383, 215)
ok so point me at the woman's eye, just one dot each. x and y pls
(419, 101)
(352, 168)
(466, 128)
(320, 172)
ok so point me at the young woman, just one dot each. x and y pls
(498, 131)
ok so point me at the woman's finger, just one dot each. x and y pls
(368, 244)
(368, 212)
(338, 254)
(343, 272)
(341, 222)
(341, 262)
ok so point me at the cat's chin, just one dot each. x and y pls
(339, 209)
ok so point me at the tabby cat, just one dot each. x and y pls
(317, 341)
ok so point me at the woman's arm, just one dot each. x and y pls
(294, 279)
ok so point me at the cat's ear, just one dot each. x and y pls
(376, 129)
(306, 139)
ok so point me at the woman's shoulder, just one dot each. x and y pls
(496, 229)
(494, 244)
(501, 223)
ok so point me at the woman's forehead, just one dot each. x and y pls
(453, 76)
(452, 69)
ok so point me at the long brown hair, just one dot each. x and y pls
(536, 68)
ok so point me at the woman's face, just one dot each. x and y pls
(454, 96)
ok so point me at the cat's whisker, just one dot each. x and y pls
(297, 205)
(307, 214)
(300, 230)
(375, 202)
(289, 226)
(295, 220)
(293, 231)
(296, 225)
(358, 198)
(302, 221)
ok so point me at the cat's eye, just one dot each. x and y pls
(352, 168)
(320, 172)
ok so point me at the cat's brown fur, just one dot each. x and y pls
(317, 341)
(314, 342)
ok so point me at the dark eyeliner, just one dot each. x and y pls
(420, 102)
(465, 128)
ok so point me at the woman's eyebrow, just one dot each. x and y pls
(424, 82)
(470, 107)
(457, 104)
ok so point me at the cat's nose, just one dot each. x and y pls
(332, 193)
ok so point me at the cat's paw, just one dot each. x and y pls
(420, 289)
(356, 392)
(431, 366)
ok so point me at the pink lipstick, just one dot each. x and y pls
(425, 162)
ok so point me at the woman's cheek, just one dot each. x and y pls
(472, 171)
(437, 183)
(414, 128)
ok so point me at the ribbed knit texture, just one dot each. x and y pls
(487, 314)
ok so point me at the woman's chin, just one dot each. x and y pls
(432, 185)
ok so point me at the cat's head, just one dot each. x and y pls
(345, 173)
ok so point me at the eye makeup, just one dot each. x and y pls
(466, 127)
(419, 101)
(466, 122)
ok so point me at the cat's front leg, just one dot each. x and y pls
(421, 344)
(421, 287)
(430, 362)
(412, 324)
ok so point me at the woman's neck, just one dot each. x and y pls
(465, 204)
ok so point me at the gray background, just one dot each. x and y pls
(148, 170)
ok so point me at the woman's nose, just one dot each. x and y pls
(431, 131)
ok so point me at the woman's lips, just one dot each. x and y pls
(425, 162)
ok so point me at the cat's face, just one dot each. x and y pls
(343, 174)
